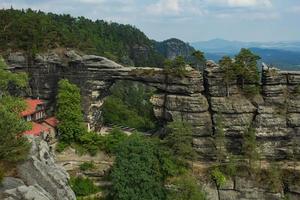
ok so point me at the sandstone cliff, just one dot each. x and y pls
(38, 178)
(195, 97)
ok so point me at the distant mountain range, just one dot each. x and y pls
(285, 55)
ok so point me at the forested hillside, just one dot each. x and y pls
(35, 31)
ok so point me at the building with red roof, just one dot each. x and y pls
(35, 113)
(37, 129)
(35, 110)
(51, 121)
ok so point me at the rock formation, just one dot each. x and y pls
(173, 47)
(39, 178)
(195, 97)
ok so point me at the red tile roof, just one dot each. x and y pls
(52, 121)
(36, 130)
(31, 106)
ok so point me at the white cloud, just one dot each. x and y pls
(164, 6)
(240, 3)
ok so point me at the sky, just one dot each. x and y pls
(189, 20)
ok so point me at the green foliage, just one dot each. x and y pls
(8, 78)
(242, 69)
(185, 187)
(83, 186)
(112, 140)
(90, 142)
(179, 140)
(34, 31)
(231, 167)
(246, 67)
(200, 59)
(175, 67)
(218, 176)
(219, 139)
(250, 147)
(69, 112)
(13, 146)
(137, 172)
(87, 166)
(229, 72)
(274, 178)
(61, 146)
(129, 105)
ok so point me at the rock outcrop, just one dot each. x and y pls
(194, 97)
(38, 177)
(173, 47)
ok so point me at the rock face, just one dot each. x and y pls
(39, 178)
(195, 97)
(172, 48)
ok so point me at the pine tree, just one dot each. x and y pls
(229, 74)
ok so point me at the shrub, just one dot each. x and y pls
(90, 142)
(61, 146)
(274, 178)
(251, 90)
(232, 166)
(112, 140)
(218, 176)
(137, 172)
(185, 188)
(83, 186)
(86, 166)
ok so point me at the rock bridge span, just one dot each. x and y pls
(195, 97)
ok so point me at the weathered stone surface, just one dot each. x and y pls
(32, 192)
(193, 103)
(204, 147)
(229, 195)
(40, 172)
(293, 120)
(232, 105)
(39, 178)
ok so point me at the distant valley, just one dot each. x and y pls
(284, 55)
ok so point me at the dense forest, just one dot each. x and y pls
(36, 31)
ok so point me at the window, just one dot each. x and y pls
(28, 118)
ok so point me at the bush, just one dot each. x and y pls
(185, 188)
(86, 166)
(83, 186)
(274, 178)
(251, 90)
(91, 142)
(218, 176)
(112, 140)
(231, 167)
(61, 146)
(137, 172)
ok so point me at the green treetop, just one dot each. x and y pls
(200, 59)
(13, 146)
(137, 172)
(229, 73)
(246, 66)
(179, 139)
(6, 78)
(69, 112)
